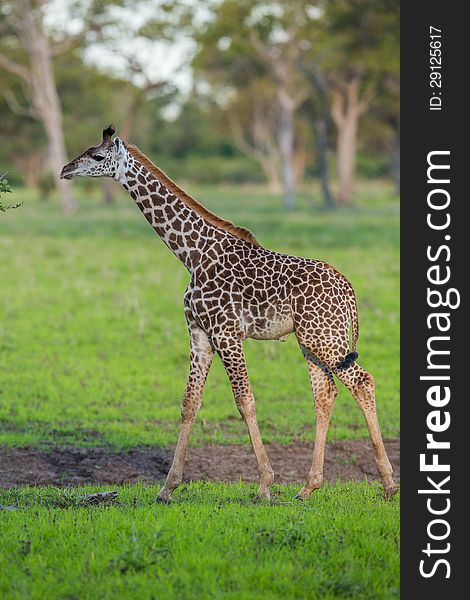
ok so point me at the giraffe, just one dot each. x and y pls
(238, 289)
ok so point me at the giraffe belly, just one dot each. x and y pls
(273, 327)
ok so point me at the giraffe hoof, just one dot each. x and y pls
(261, 497)
(263, 493)
(390, 492)
(163, 499)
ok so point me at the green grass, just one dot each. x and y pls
(213, 542)
(93, 342)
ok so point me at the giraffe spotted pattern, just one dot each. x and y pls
(239, 290)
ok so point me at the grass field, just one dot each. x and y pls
(93, 342)
(213, 542)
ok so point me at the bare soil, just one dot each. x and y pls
(66, 465)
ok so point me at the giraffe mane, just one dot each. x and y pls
(202, 211)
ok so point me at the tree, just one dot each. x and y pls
(387, 110)
(98, 101)
(319, 111)
(347, 108)
(31, 50)
(251, 46)
(24, 31)
(364, 52)
(282, 58)
(23, 139)
(252, 118)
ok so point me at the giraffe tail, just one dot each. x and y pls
(347, 361)
(354, 320)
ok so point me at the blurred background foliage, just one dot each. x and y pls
(225, 91)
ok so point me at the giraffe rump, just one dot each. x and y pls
(352, 356)
(202, 211)
(353, 315)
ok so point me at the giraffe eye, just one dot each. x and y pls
(97, 157)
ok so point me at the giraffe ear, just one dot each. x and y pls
(118, 147)
(108, 133)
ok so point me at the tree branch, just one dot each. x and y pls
(66, 44)
(337, 109)
(15, 68)
(239, 137)
(301, 96)
(352, 91)
(265, 52)
(365, 101)
(19, 109)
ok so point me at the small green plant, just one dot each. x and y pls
(290, 535)
(6, 189)
(141, 554)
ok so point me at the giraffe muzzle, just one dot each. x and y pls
(66, 173)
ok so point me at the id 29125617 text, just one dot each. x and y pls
(435, 68)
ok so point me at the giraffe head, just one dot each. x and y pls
(98, 161)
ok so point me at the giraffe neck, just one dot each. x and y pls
(181, 228)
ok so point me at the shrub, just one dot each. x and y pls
(6, 189)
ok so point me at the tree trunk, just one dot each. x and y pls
(346, 157)
(58, 157)
(321, 128)
(45, 96)
(321, 134)
(290, 96)
(300, 162)
(271, 172)
(346, 111)
(262, 147)
(286, 147)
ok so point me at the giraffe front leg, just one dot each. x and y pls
(233, 359)
(324, 392)
(201, 358)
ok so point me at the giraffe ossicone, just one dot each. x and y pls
(237, 290)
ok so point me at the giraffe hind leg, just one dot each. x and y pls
(362, 386)
(324, 391)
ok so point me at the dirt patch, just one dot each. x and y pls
(65, 465)
(344, 460)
